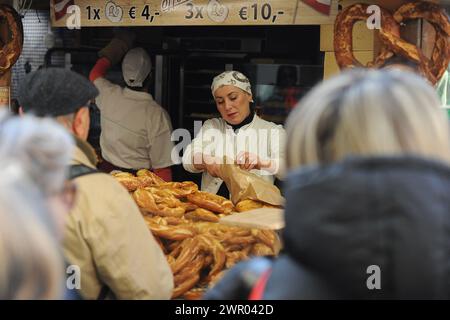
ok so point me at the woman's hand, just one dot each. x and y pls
(212, 165)
(206, 162)
(249, 161)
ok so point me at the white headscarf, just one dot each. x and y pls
(231, 78)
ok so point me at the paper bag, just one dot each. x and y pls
(245, 185)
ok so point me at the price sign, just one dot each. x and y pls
(96, 13)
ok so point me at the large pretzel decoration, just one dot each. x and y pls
(432, 69)
(343, 38)
(11, 50)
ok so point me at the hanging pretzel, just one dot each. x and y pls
(343, 35)
(392, 43)
(12, 47)
(433, 68)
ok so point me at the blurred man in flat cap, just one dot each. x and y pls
(105, 236)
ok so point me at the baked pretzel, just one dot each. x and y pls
(343, 35)
(266, 237)
(175, 248)
(188, 206)
(156, 219)
(170, 260)
(185, 286)
(12, 47)
(175, 233)
(201, 214)
(130, 182)
(154, 202)
(434, 68)
(260, 249)
(211, 202)
(189, 250)
(234, 257)
(210, 245)
(247, 205)
(173, 221)
(240, 240)
(179, 189)
(189, 271)
(392, 43)
(162, 196)
(154, 179)
(145, 181)
(194, 294)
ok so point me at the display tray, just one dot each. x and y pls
(261, 218)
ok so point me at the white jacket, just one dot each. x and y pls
(217, 138)
(135, 129)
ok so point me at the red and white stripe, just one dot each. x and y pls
(322, 6)
(60, 7)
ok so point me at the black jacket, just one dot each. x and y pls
(341, 219)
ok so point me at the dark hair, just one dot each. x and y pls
(15, 106)
(145, 84)
(400, 60)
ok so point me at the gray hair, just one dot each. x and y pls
(34, 155)
(40, 145)
(32, 266)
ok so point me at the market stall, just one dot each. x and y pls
(185, 221)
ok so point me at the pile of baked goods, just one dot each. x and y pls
(184, 222)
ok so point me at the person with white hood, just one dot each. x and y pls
(136, 131)
(239, 135)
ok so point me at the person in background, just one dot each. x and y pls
(14, 107)
(366, 196)
(401, 63)
(254, 144)
(136, 131)
(105, 234)
(398, 62)
(34, 204)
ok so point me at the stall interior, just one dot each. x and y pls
(282, 63)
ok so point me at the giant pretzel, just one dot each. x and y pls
(432, 69)
(10, 49)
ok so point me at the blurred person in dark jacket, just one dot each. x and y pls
(367, 207)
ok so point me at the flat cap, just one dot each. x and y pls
(55, 92)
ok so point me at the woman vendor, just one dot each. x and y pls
(239, 135)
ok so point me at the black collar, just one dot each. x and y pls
(246, 121)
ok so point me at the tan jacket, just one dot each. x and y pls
(108, 239)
